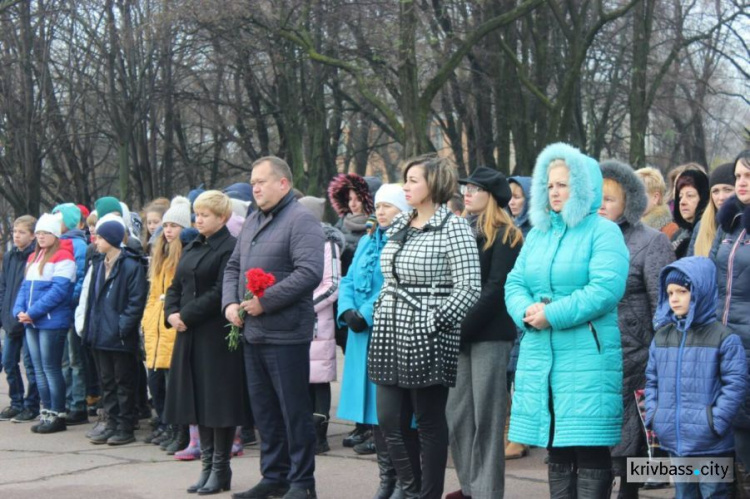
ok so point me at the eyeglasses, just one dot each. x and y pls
(469, 189)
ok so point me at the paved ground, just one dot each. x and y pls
(66, 465)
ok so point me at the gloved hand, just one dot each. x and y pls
(354, 320)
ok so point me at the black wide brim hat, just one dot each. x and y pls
(491, 181)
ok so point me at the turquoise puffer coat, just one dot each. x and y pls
(579, 262)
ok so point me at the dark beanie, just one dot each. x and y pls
(677, 277)
(722, 174)
(111, 231)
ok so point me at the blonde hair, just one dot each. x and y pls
(705, 238)
(439, 173)
(92, 218)
(164, 256)
(492, 219)
(27, 220)
(216, 202)
(154, 206)
(654, 182)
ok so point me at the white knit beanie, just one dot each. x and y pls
(111, 217)
(178, 212)
(50, 223)
(392, 194)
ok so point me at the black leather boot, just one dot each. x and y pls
(321, 433)
(386, 470)
(594, 484)
(221, 474)
(181, 440)
(407, 463)
(562, 481)
(207, 458)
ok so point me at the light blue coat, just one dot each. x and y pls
(579, 261)
(360, 288)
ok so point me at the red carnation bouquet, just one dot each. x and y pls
(258, 281)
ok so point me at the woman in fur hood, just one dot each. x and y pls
(623, 202)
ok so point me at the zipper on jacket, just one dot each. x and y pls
(596, 337)
(679, 391)
(730, 271)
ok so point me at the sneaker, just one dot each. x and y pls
(103, 437)
(263, 490)
(25, 416)
(122, 437)
(359, 435)
(55, 422)
(9, 413)
(154, 435)
(365, 448)
(298, 493)
(77, 417)
(100, 426)
(42, 421)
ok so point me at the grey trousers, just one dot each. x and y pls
(476, 413)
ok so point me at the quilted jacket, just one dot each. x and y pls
(696, 375)
(578, 262)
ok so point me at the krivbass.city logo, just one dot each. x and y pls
(680, 469)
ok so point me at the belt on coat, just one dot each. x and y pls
(411, 293)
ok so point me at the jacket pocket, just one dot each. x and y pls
(596, 337)
(710, 419)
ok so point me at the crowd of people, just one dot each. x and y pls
(580, 310)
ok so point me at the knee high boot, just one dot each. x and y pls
(594, 484)
(562, 481)
(221, 474)
(386, 470)
(406, 460)
(207, 458)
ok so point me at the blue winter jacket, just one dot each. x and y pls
(115, 304)
(80, 245)
(696, 374)
(577, 262)
(45, 295)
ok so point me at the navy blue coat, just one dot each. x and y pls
(14, 268)
(115, 305)
(696, 374)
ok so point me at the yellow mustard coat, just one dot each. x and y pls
(158, 339)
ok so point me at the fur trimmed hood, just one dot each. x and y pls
(636, 201)
(733, 211)
(585, 186)
(338, 192)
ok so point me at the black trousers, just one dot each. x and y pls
(118, 372)
(597, 458)
(396, 407)
(320, 395)
(157, 385)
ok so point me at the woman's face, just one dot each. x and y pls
(415, 187)
(613, 204)
(720, 193)
(475, 198)
(207, 222)
(153, 221)
(355, 204)
(385, 213)
(742, 181)
(689, 200)
(171, 231)
(558, 188)
(517, 200)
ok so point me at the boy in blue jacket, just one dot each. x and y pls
(22, 409)
(113, 301)
(696, 374)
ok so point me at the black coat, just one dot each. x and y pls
(206, 380)
(14, 270)
(488, 320)
(114, 307)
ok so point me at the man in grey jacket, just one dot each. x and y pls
(283, 238)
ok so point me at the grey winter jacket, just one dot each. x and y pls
(286, 242)
(731, 253)
(650, 251)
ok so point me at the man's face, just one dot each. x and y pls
(268, 189)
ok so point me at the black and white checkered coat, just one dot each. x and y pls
(431, 279)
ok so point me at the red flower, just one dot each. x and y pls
(258, 281)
